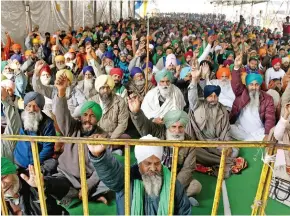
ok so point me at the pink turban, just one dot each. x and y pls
(171, 59)
(8, 84)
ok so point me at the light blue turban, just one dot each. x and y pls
(174, 116)
(184, 72)
(164, 73)
(254, 77)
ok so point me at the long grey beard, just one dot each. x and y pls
(165, 91)
(152, 184)
(139, 84)
(254, 100)
(173, 136)
(224, 83)
(31, 120)
(212, 115)
(88, 85)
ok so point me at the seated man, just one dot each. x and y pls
(253, 111)
(275, 72)
(165, 97)
(115, 112)
(21, 194)
(119, 89)
(150, 181)
(174, 129)
(68, 162)
(82, 92)
(137, 83)
(34, 123)
(50, 91)
(227, 95)
(209, 120)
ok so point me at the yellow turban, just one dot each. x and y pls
(28, 52)
(68, 74)
(102, 80)
(35, 41)
(59, 58)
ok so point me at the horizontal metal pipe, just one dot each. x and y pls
(132, 142)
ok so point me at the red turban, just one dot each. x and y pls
(189, 53)
(45, 68)
(16, 46)
(117, 71)
(275, 61)
(128, 42)
(223, 70)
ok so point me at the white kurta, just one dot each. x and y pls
(227, 95)
(249, 126)
(272, 74)
(151, 108)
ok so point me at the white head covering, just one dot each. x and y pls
(144, 152)
(151, 46)
(218, 47)
(285, 59)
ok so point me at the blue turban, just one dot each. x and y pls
(34, 96)
(150, 65)
(17, 57)
(164, 73)
(254, 77)
(209, 89)
(109, 55)
(184, 72)
(135, 70)
(88, 39)
(88, 68)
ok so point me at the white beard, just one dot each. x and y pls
(165, 91)
(254, 100)
(108, 68)
(88, 85)
(224, 83)
(45, 81)
(31, 120)
(172, 136)
(152, 184)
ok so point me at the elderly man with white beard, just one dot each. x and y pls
(227, 95)
(34, 123)
(253, 111)
(150, 181)
(136, 83)
(209, 120)
(82, 92)
(165, 97)
(50, 91)
(173, 128)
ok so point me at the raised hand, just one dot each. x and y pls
(31, 180)
(61, 84)
(97, 150)
(286, 111)
(134, 36)
(205, 70)
(38, 65)
(195, 72)
(134, 103)
(238, 61)
(4, 94)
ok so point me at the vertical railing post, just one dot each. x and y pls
(3, 204)
(127, 180)
(84, 186)
(261, 184)
(219, 183)
(39, 178)
(173, 180)
(267, 188)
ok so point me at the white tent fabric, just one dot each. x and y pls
(53, 15)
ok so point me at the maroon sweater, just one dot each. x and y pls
(266, 109)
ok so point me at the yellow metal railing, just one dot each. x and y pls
(262, 191)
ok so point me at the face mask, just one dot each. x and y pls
(44, 80)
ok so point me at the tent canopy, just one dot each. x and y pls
(237, 2)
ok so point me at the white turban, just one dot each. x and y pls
(144, 152)
(171, 59)
(285, 59)
(102, 80)
(218, 47)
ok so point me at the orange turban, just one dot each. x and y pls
(262, 51)
(65, 41)
(16, 46)
(223, 70)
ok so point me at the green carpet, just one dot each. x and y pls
(241, 191)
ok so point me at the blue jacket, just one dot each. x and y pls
(22, 152)
(124, 67)
(111, 173)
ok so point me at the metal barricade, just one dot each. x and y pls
(263, 187)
